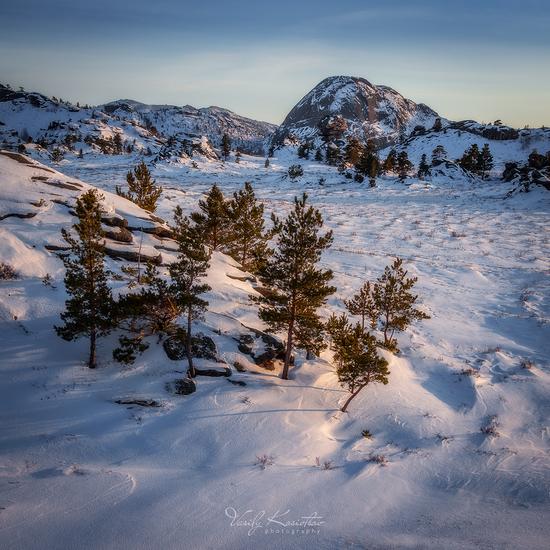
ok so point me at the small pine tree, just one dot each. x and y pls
(423, 167)
(297, 286)
(353, 152)
(439, 154)
(57, 155)
(88, 311)
(369, 163)
(438, 126)
(363, 304)
(359, 363)
(303, 150)
(247, 240)
(389, 165)
(394, 302)
(212, 220)
(238, 157)
(226, 146)
(404, 165)
(150, 311)
(333, 154)
(142, 188)
(318, 155)
(187, 273)
(485, 161)
(266, 163)
(80, 154)
(471, 159)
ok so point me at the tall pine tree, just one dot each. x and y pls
(226, 146)
(297, 286)
(88, 311)
(187, 273)
(247, 240)
(212, 220)
(485, 161)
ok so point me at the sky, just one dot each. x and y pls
(467, 59)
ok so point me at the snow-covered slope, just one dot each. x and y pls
(162, 131)
(80, 470)
(366, 110)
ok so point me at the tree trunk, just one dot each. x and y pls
(91, 359)
(191, 370)
(288, 353)
(345, 406)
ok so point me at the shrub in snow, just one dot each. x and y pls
(263, 461)
(325, 465)
(527, 364)
(490, 428)
(295, 171)
(7, 272)
(366, 434)
(378, 459)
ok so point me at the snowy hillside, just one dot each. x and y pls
(458, 457)
(162, 132)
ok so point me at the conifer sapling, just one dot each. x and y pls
(89, 309)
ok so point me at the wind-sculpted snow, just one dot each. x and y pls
(458, 457)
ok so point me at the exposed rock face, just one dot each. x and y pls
(340, 106)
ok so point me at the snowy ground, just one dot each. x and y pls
(80, 471)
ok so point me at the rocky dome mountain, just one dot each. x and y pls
(163, 131)
(341, 106)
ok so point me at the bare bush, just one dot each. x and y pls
(7, 272)
(490, 428)
(263, 461)
(378, 459)
(325, 465)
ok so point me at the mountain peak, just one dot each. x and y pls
(368, 110)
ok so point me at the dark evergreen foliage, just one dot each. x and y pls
(89, 309)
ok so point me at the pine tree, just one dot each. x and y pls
(404, 165)
(394, 302)
(266, 163)
(423, 167)
(297, 287)
(485, 161)
(212, 220)
(438, 126)
(226, 146)
(333, 154)
(247, 240)
(88, 311)
(57, 155)
(390, 164)
(439, 154)
(318, 155)
(353, 152)
(152, 310)
(238, 157)
(186, 275)
(363, 304)
(369, 163)
(471, 159)
(359, 363)
(142, 188)
(303, 150)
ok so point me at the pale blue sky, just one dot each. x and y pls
(481, 59)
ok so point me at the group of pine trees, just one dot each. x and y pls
(287, 262)
(364, 159)
(477, 162)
